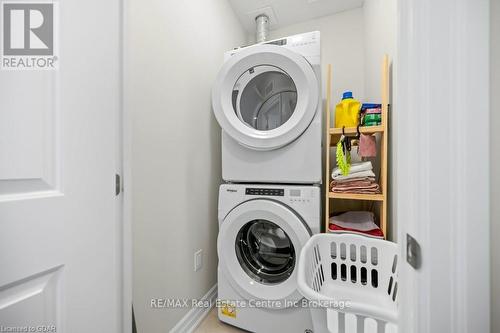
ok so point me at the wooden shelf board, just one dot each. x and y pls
(362, 129)
(356, 196)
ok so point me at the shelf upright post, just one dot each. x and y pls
(385, 134)
(327, 145)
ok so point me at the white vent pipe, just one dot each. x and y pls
(262, 28)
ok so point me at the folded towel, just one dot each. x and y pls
(357, 185)
(360, 174)
(354, 182)
(354, 219)
(358, 222)
(355, 167)
(372, 189)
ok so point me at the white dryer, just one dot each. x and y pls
(262, 229)
(267, 99)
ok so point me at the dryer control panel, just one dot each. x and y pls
(306, 44)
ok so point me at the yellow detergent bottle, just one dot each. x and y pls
(347, 111)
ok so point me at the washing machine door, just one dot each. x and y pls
(259, 244)
(265, 96)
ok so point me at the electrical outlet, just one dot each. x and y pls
(198, 260)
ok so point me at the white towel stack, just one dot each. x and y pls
(359, 180)
(355, 171)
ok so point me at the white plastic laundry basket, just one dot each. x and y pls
(352, 283)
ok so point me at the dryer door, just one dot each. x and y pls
(265, 96)
(259, 244)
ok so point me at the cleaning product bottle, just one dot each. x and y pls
(347, 111)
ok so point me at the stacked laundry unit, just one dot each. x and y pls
(267, 99)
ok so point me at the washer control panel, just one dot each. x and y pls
(298, 195)
(290, 195)
(303, 200)
(265, 191)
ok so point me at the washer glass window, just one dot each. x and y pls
(264, 97)
(265, 252)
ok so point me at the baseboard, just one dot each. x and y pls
(195, 316)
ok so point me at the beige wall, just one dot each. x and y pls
(495, 165)
(174, 50)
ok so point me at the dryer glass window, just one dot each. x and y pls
(264, 97)
(265, 252)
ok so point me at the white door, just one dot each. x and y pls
(259, 245)
(442, 164)
(60, 231)
(265, 96)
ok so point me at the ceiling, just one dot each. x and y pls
(285, 12)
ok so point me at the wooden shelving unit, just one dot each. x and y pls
(332, 137)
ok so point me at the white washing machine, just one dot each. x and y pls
(267, 99)
(262, 229)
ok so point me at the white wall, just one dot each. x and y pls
(342, 45)
(495, 164)
(173, 53)
(380, 24)
(380, 31)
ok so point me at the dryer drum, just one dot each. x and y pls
(265, 252)
(264, 97)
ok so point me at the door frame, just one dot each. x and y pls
(125, 169)
(441, 75)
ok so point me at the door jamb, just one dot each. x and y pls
(126, 169)
(451, 290)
